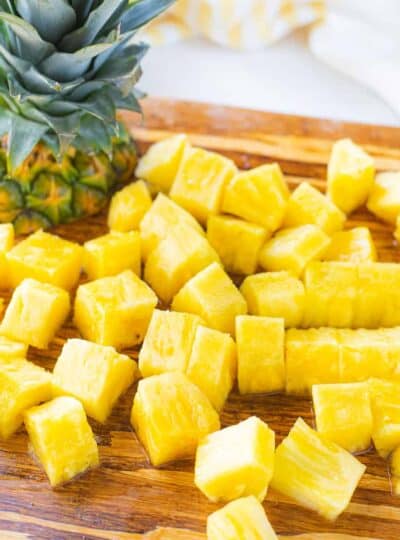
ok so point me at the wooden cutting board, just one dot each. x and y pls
(125, 496)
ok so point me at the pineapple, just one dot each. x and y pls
(315, 472)
(351, 174)
(395, 471)
(243, 519)
(212, 295)
(35, 313)
(94, 374)
(6, 243)
(237, 242)
(200, 182)
(114, 310)
(236, 462)
(22, 385)
(10, 349)
(370, 303)
(170, 416)
(275, 294)
(259, 195)
(62, 439)
(343, 414)
(128, 207)
(260, 354)
(293, 249)
(384, 198)
(386, 415)
(355, 245)
(111, 254)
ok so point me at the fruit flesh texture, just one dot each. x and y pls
(355, 245)
(316, 473)
(49, 426)
(236, 462)
(170, 415)
(386, 415)
(6, 243)
(95, 375)
(384, 198)
(395, 471)
(10, 348)
(128, 207)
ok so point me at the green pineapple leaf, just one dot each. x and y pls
(41, 15)
(22, 137)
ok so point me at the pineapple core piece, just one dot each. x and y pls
(9, 348)
(351, 174)
(62, 438)
(176, 259)
(128, 207)
(395, 471)
(212, 295)
(308, 205)
(6, 243)
(170, 416)
(111, 254)
(45, 257)
(386, 415)
(384, 198)
(200, 182)
(114, 310)
(237, 242)
(236, 461)
(260, 354)
(275, 294)
(259, 196)
(355, 245)
(315, 472)
(212, 364)
(35, 313)
(22, 385)
(343, 414)
(243, 519)
(168, 342)
(160, 163)
(94, 374)
(293, 249)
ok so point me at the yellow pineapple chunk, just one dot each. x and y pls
(168, 342)
(293, 249)
(9, 348)
(237, 242)
(395, 471)
(94, 374)
(22, 385)
(343, 414)
(275, 294)
(170, 416)
(45, 257)
(243, 519)
(176, 259)
(62, 439)
(212, 295)
(200, 182)
(260, 354)
(114, 310)
(386, 415)
(384, 198)
(6, 243)
(355, 245)
(160, 163)
(212, 364)
(35, 313)
(315, 472)
(111, 254)
(128, 207)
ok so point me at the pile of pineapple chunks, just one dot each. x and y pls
(315, 314)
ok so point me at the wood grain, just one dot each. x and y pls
(125, 497)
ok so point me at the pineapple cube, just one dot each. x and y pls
(200, 182)
(114, 310)
(243, 519)
(355, 245)
(351, 174)
(35, 313)
(389, 283)
(45, 257)
(176, 259)
(212, 364)
(315, 472)
(386, 415)
(160, 163)
(260, 354)
(128, 207)
(275, 294)
(237, 242)
(369, 307)
(9, 348)
(343, 414)
(94, 374)
(111, 254)
(395, 471)
(22, 385)
(62, 439)
(293, 249)
(308, 205)
(170, 416)
(212, 295)
(6, 243)
(168, 342)
(384, 198)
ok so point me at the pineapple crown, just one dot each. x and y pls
(66, 66)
